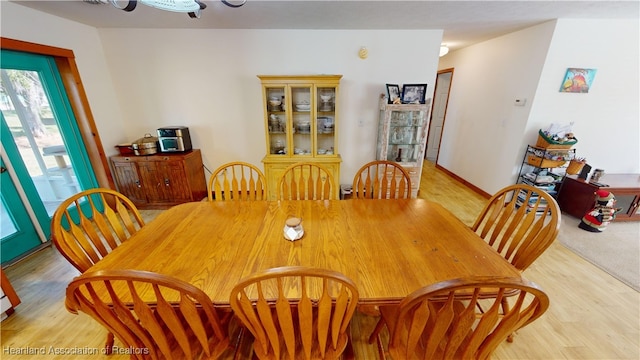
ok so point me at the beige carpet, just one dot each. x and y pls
(616, 250)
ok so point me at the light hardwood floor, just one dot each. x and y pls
(592, 315)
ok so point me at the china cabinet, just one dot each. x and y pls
(402, 137)
(162, 180)
(300, 119)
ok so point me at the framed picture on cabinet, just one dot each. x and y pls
(414, 93)
(393, 93)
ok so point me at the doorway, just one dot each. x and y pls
(42, 148)
(439, 113)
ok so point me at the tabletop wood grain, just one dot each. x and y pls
(388, 247)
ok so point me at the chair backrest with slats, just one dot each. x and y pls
(90, 224)
(306, 181)
(444, 320)
(382, 179)
(296, 312)
(175, 320)
(520, 222)
(237, 181)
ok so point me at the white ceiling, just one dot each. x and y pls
(464, 22)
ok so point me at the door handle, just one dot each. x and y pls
(2, 169)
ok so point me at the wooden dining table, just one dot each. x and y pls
(389, 248)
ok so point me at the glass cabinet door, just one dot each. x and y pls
(405, 132)
(302, 120)
(277, 120)
(326, 107)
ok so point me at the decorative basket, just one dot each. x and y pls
(545, 142)
(574, 167)
(543, 163)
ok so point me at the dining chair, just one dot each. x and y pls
(176, 320)
(381, 179)
(444, 321)
(296, 312)
(520, 222)
(90, 224)
(306, 181)
(237, 181)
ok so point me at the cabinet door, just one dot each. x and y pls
(325, 137)
(302, 120)
(277, 106)
(275, 170)
(128, 180)
(635, 208)
(273, 173)
(405, 135)
(153, 181)
(174, 180)
(627, 202)
(414, 175)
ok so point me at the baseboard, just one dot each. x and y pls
(474, 188)
(27, 254)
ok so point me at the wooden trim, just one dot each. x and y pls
(24, 46)
(465, 182)
(446, 107)
(445, 71)
(65, 60)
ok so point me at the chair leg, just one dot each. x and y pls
(505, 310)
(381, 352)
(349, 353)
(244, 347)
(108, 346)
(376, 331)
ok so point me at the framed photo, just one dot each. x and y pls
(414, 93)
(393, 93)
(577, 80)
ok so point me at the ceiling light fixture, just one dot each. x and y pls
(191, 7)
(444, 50)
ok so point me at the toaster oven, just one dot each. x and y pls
(174, 139)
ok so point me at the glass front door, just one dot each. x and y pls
(40, 137)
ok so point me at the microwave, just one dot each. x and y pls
(174, 139)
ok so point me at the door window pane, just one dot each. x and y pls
(7, 226)
(28, 114)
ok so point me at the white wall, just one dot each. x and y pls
(485, 136)
(22, 23)
(607, 119)
(206, 79)
(138, 80)
(483, 131)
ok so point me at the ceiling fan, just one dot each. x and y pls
(191, 7)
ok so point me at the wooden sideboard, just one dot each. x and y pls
(162, 180)
(577, 196)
